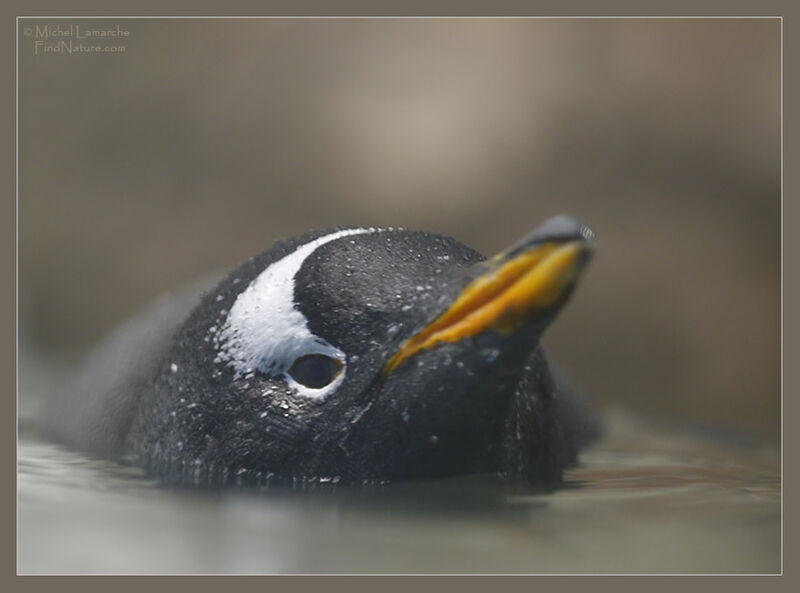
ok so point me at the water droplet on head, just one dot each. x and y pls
(490, 354)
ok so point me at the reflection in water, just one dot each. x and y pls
(642, 501)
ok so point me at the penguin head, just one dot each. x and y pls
(356, 354)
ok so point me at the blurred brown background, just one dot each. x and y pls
(205, 140)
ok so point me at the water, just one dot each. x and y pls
(645, 500)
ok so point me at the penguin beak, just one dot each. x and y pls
(529, 280)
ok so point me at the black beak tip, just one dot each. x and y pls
(558, 229)
(561, 229)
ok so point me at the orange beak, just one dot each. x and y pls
(519, 283)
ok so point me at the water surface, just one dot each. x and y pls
(644, 500)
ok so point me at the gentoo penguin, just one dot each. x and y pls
(350, 355)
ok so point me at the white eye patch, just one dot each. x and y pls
(265, 332)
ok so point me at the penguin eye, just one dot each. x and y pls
(315, 370)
